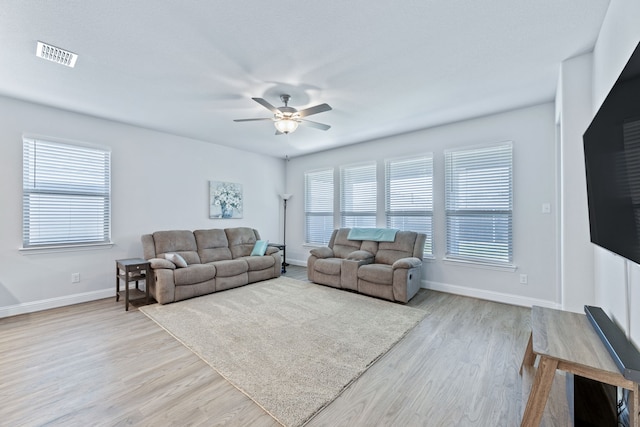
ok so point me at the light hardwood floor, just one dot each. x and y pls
(95, 364)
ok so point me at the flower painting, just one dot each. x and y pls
(225, 200)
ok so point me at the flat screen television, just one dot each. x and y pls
(612, 160)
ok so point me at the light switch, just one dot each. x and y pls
(546, 208)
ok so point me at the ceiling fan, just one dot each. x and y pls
(286, 119)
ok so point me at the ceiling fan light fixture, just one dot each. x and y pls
(286, 125)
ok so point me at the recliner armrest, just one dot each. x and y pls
(410, 262)
(161, 263)
(360, 256)
(271, 250)
(322, 252)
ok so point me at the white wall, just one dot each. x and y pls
(618, 38)
(573, 108)
(535, 234)
(159, 182)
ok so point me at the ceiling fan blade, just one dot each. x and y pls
(266, 105)
(250, 120)
(314, 110)
(316, 125)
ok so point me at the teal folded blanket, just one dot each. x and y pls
(374, 234)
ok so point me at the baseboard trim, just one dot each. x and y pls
(488, 295)
(297, 262)
(33, 306)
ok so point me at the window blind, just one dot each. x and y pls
(318, 206)
(358, 192)
(409, 196)
(479, 203)
(66, 194)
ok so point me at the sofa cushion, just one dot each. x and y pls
(212, 245)
(176, 259)
(181, 242)
(193, 274)
(402, 247)
(231, 267)
(330, 266)
(259, 262)
(241, 240)
(342, 246)
(376, 273)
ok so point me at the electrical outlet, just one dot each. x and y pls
(524, 279)
(75, 277)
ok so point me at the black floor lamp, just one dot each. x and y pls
(285, 197)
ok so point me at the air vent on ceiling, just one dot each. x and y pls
(55, 54)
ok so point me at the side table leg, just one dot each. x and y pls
(126, 292)
(529, 356)
(117, 283)
(539, 392)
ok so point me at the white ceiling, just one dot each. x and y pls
(190, 67)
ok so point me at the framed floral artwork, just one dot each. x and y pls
(225, 199)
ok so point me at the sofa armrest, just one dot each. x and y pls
(360, 256)
(157, 263)
(410, 262)
(322, 252)
(271, 250)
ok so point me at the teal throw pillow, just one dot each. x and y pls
(259, 248)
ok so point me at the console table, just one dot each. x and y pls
(566, 341)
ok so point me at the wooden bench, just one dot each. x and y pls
(566, 341)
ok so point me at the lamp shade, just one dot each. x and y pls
(286, 196)
(286, 125)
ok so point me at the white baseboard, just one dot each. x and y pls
(297, 262)
(33, 306)
(488, 295)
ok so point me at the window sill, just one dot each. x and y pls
(479, 264)
(67, 248)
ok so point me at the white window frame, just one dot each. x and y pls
(318, 206)
(409, 195)
(358, 195)
(66, 195)
(479, 204)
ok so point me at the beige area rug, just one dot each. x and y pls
(290, 346)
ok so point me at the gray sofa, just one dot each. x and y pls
(388, 270)
(216, 259)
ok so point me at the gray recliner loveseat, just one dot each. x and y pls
(390, 270)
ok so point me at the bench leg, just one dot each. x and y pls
(529, 356)
(634, 406)
(539, 392)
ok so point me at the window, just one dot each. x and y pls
(358, 196)
(479, 203)
(409, 196)
(66, 194)
(318, 206)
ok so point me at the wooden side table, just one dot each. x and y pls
(566, 341)
(132, 270)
